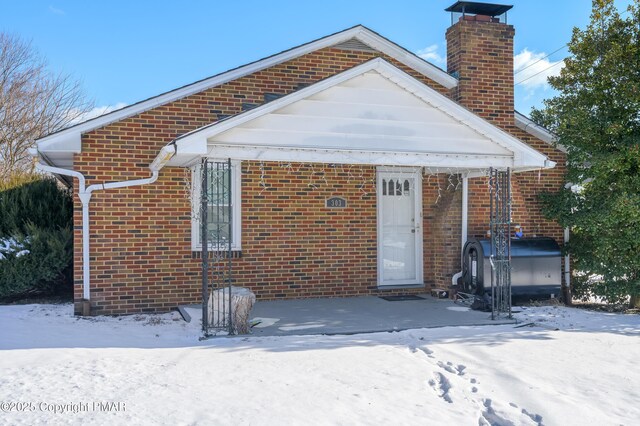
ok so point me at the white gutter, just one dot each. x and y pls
(529, 126)
(84, 193)
(465, 224)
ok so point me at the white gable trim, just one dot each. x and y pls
(68, 140)
(196, 143)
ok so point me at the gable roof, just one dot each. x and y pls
(69, 140)
(373, 113)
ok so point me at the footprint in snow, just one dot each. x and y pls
(535, 417)
(458, 370)
(428, 352)
(489, 417)
(441, 385)
(447, 367)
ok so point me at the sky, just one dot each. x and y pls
(127, 51)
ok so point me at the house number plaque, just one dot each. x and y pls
(336, 203)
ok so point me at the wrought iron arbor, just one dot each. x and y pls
(500, 225)
(216, 236)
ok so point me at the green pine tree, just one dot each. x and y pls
(596, 117)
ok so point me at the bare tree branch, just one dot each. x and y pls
(33, 103)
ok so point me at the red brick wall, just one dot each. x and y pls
(481, 55)
(292, 245)
(141, 257)
(526, 187)
(442, 197)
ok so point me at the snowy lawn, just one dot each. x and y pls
(584, 373)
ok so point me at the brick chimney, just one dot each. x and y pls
(480, 55)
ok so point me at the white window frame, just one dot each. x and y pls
(236, 206)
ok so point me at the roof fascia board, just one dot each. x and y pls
(434, 73)
(360, 32)
(70, 143)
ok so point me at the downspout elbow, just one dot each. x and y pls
(166, 153)
(58, 170)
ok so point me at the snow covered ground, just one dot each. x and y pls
(57, 369)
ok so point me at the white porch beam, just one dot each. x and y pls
(419, 159)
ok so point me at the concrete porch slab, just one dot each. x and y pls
(352, 315)
(366, 314)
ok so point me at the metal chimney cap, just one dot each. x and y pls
(487, 9)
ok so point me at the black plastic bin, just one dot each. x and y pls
(536, 267)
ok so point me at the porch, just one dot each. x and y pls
(352, 315)
(344, 188)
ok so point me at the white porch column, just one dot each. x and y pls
(465, 211)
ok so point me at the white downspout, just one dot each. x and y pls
(84, 193)
(86, 271)
(465, 209)
(84, 199)
(465, 223)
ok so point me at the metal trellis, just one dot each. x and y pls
(500, 225)
(216, 234)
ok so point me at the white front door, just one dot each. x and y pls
(399, 227)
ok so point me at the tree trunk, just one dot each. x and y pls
(635, 301)
(242, 300)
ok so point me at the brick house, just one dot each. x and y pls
(404, 145)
